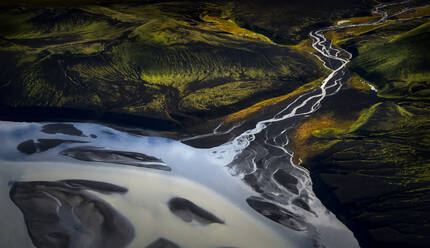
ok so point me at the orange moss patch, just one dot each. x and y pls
(300, 138)
(237, 116)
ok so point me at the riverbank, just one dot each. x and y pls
(367, 150)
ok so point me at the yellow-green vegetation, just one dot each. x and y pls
(325, 128)
(399, 132)
(416, 12)
(394, 58)
(358, 20)
(289, 22)
(212, 98)
(359, 83)
(244, 113)
(318, 133)
(382, 166)
(340, 36)
(302, 139)
(305, 45)
(160, 59)
(229, 26)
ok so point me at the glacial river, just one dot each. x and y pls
(88, 185)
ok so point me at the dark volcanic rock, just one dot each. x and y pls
(383, 204)
(188, 211)
(64, 214)
(68, 129)
(163, 243)
(288, 181)
(29, 147)
(98, 154)
(302, 204)
(276, 213)
(375, 179)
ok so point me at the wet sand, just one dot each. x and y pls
(188, 212)
(65, 214)
(198, 203)
(99, 154)
(42, 145)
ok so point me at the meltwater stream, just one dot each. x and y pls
(88, 185)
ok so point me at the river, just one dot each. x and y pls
(89, 185)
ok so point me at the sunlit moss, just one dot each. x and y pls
(325, 126)
(305, 45)
(224, 95)
(229, 26)
(417, 12)
(358, 20)
(340, 36)
(363, 117)
(396, 63)
(146, 59)
(242, 114)
(359, 83)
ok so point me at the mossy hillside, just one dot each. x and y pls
(243, 114)
(394, 58)
(380, 152)
(382, 155)
(357, 82)
(384, 158)
(289, 22)
(143, 59)
(319, 131)
(384, 120)
(416, 12)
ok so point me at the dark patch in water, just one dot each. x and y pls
(288, 181)
(105, 188)
(163, 243)
(68, 129)
(276, 213)
(64, 214)
(107, 132)
(188, 211)
(98, 154)
(29, 147)
(302, 204)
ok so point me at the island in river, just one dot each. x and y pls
(182, 68)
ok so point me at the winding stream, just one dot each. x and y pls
(94, 186)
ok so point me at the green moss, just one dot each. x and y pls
(338, 133)
(327, 132)
(364, 117)
(159, 59)
(394, 58)
(221, 96)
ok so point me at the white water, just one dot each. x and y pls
(327, 225)
(197, 174)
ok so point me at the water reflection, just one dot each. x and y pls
(194, 203)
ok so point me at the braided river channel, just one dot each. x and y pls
(89, 185)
